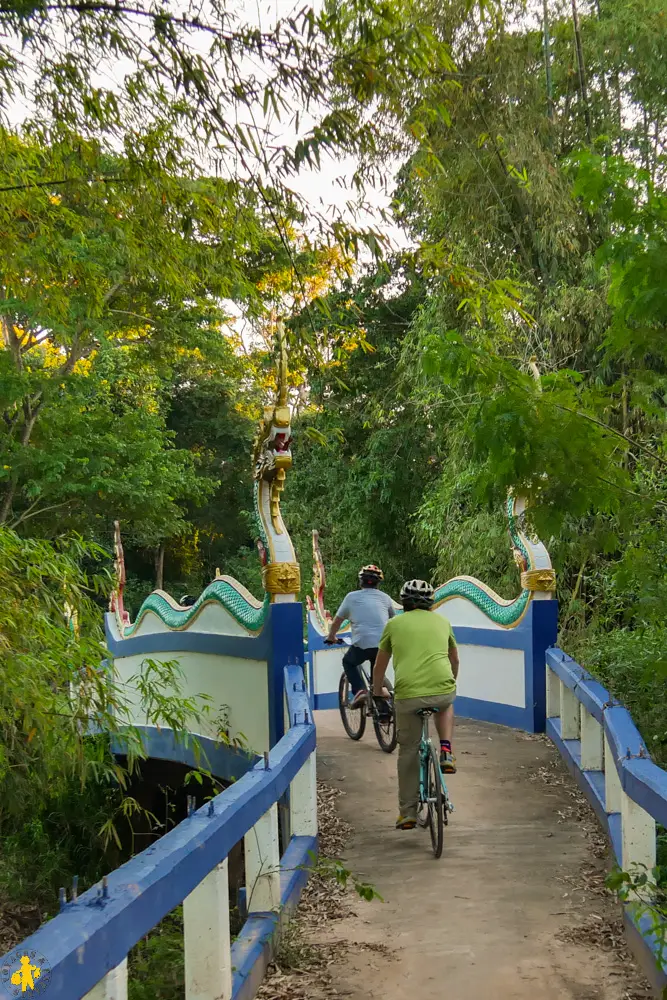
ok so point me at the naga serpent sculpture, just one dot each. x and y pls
(530, 555)
(280, 569)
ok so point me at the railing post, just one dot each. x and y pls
(591, 742)
(612, 783)
(262, 863)
(637, 835)
(303, 800)
(207, 941)
(553, 694)
(569, 713)
(113, 986)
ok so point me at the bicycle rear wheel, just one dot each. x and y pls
(385, 729)
(435, 804)
(354, 720)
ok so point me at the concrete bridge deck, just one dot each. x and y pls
(485, 922)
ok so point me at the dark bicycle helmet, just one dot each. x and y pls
(187, 601)
(371, 574)
(418, 593)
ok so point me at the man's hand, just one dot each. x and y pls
(332, 639)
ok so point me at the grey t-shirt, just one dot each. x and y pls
(368, 610)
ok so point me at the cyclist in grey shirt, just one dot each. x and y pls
(368, 610)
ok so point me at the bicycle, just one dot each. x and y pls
(380, 710)
(434, 801)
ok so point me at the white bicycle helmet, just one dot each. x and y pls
(418, 592)
(371, 572)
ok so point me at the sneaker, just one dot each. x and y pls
(359, 699)
(447, 762)
(405, 823)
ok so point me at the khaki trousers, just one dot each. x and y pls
(409, 729)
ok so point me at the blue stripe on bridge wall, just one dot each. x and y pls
(191, 641)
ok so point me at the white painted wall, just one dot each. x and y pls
(459, 611)
(487, 673)
(328, 667)
(492, 674)
(241, 684)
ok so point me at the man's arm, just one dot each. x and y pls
(379, 670)
(335, 625)
(453, 654)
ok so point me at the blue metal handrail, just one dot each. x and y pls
(93, 934)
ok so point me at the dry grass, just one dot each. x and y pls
(17, 921)
(602, 929)
(301, 969)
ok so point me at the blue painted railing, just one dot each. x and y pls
(83, 951)
(607, 756)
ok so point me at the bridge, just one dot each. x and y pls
(485, 919)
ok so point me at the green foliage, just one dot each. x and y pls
(364, 453)
(156, 964)
(642, 891)
(64, 798)
(631, 663)
(101, 451)
(334, 870)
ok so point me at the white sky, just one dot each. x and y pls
(321, 188)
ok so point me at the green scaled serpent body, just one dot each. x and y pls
(506, 613)
(220, 592)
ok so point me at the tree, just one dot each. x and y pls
(96, 270)
(364, 453)
(63, 796)
(185, 89)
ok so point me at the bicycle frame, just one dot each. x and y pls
(425, 745)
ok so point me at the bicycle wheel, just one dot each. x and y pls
(435, 804)
(354, 720)
(385, 729)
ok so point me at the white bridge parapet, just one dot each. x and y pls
(502, 669)
(604, 751)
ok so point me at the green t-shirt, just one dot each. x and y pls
(419, 643)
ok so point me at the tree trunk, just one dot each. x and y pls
(583, 89)
(28, 426)
(619, 108)
(547, 64)
(159, 567)
(603, 84)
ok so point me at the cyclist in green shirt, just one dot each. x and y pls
(426, 665)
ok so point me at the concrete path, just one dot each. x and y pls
(483, 922)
